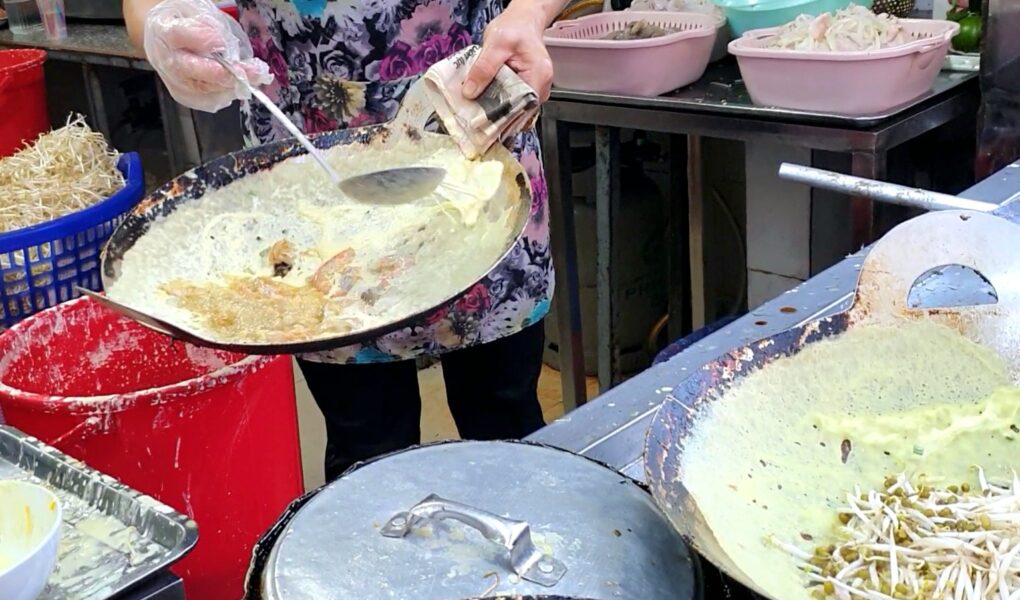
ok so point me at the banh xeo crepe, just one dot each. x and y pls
(283, 256)
(771, 462)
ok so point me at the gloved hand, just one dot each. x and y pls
(179, 37)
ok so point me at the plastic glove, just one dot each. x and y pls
(180, 35)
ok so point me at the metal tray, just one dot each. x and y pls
(112, 537)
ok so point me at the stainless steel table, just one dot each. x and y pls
(612, 427)
(718, 106)
(107, 45)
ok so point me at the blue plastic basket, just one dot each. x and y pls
(41, 265)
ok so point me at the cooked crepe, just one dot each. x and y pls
(774, 457)
(283, 256)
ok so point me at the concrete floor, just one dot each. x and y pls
(436, 422)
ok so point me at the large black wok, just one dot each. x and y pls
(905, 258)
(411, 124)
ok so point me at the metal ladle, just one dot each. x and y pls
(388, 186)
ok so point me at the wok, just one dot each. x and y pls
(411, 124)
(488, 507)
(904, 259)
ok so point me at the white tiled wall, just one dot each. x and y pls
(762, 287)
(778, 222)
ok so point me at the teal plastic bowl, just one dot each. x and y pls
(747, 15)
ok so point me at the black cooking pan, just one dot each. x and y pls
(907, 257)
(411, 124)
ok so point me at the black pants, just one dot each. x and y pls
(372, 409)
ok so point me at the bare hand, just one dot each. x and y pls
(513, 39)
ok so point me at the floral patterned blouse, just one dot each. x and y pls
(347, 63)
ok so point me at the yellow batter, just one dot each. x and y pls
(777, 454)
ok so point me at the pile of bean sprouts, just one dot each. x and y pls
(916, 542)
(849, 30)
(64, 171)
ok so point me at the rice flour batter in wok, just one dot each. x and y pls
(774, 458)
(284, 256)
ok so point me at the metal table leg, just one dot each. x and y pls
(862, 210)
(94, 96)
(678, 250)
(567, 302)
(696, 225)
(182, 146)
(607, 212)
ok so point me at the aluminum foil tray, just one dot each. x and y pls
(113, 537)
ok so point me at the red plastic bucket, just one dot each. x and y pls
(213, 434)
(22, 99)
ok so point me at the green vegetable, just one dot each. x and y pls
(969, 37)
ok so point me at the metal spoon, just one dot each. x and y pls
(393, 186)
(388, 186)
(282, 118)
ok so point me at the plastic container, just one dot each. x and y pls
(230, 8)
(41, 265)
(651, 67)
(722, 34)
(54, 19)
(23, 16)
(212, 434)
(864, 83)
(27, 554)
(23, 112)
(748, 15)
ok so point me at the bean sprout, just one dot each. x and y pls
(912, 542)
(853, 29)
(64, 171)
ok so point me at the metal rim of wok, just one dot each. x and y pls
(677, 417)
(192, 185)
(266, 547)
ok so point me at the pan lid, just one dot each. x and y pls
(479, 519)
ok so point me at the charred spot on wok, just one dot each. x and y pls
(281, 269)
(370, 297)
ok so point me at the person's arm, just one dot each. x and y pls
(134, 18)
(179, 38)
(515, 39)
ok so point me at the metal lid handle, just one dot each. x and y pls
(526, 561)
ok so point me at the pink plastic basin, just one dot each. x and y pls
(850, 83)
(584, 62)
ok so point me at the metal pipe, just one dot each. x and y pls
(879, 190)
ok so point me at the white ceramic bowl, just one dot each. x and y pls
(30, 518)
